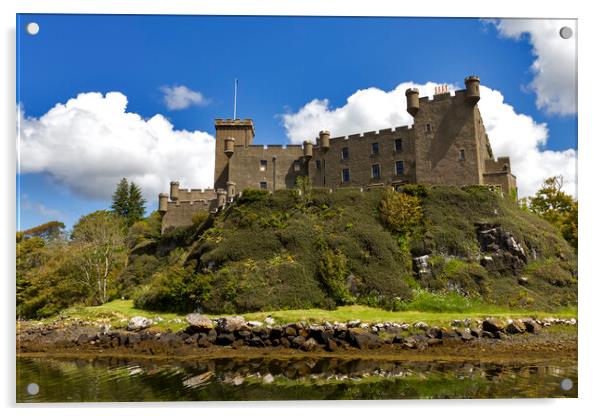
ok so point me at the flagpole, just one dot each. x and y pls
(235, 93)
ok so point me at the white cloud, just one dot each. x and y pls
(91, 142)
(511, 134)
(40, 208)
(555, 65)
(180, 97)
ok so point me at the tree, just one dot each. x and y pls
(99, 240)
(128, 202)
(135, 204)
(47, 231)
(557, 207)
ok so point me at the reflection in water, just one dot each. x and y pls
(114, 379)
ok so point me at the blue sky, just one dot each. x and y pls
(282, 63)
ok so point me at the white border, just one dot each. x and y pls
(589, 33)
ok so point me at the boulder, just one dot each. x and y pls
(298, 341)
(254, 324)
(532, 326)
(309, 345)
(203, 341)
(269, 321)
(515, 327)
(225, 339)
(196, 320)
(493, 325)
(138, 323)
(362, 339)
(232, 323)
(421, 325)
(290, 331)
(331, 345)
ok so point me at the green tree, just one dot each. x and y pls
(99, 242)
(136, 204)
(128, 202)
(557, 207)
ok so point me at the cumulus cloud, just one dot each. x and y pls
(180, 97)
(91, 142)
(511, 134)
(555, 65)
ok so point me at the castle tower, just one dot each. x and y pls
(242, 132)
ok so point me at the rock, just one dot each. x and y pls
(532, 326)
(422, 267)
(466, 335)
(486, 334)
(231, 323)
(269, 321)
(256, 342)
(138, 323)
(276, 332)
(82, 339)
(309, 345)
(354, 324)
(515, 327)
(493, 325)
(244, 334)
(523, 280)
(362, 339)
(421, 325)
(331, 345)
(268, 378)
(434, 341)
(196, 320)
(285, 342)
(203, 341)
(212, 336)
(476, 332)
(192, 339)
(433, 332)
(404, 327)
(254, 324)
(298, 341)
(290, 331)
(225, 339)
(457, 322)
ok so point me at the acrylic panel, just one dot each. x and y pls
(295, 208)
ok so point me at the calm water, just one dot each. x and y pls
(113, 379)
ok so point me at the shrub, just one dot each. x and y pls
(332, 272)
(400, 211)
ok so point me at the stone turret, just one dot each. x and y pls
(412, 100)
(174, 190)
(163, 203)
(230, 189)
(473, 94)
(324, 140)
(229, 146)
(308, 150)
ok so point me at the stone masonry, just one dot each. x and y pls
(446, 145)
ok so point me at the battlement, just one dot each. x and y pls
(457, 94)
(404, 130)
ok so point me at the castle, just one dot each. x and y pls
(446, 145)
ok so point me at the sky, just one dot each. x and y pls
(102, 97)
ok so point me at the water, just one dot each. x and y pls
(118, 379)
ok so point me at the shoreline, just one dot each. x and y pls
(515, 341)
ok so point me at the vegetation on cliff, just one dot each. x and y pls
(311, 248)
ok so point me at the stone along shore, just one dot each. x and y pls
(225, 334)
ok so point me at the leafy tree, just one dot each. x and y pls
(128, 202)
(304, 188)
(99, 241)
(557, 207)
(47, 231)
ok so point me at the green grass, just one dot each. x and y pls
(118, 312)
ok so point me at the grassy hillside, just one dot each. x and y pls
(316, 249)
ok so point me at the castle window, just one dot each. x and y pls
(376, 171)
(374, 148)
(318, 165)
(399, 168)
(398, 145)
(297, 166)
(345, 175)
(345, 153)
(462, 155)
(263, 165)
(428, 127)
(263, 185)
